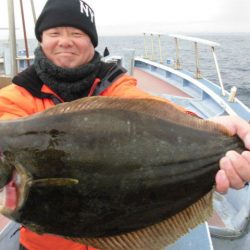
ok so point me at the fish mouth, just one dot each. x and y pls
(9, 193)
(14, 193)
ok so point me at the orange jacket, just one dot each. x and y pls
(15, 101)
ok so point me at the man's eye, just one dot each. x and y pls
(54, 34)
(77, 34)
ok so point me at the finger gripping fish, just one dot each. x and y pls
(114, 173)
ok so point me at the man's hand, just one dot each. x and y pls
(234, 167)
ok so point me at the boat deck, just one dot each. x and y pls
(158, 87)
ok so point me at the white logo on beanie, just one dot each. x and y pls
(85, 9)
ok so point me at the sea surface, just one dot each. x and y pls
(233, 55)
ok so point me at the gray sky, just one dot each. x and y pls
(132, 17)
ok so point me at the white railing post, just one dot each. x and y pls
(197, 71)
(33, 10)
(218, 71)
(12, 37)
(145, 46)
(160, 51)
(177, 60)
(152, 47)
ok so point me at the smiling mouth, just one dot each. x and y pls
(65, 52)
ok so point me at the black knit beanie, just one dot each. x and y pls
(71, 13)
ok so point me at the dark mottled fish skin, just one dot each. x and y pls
(137, 163)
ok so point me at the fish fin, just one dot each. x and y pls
(159, 235)
(149, 106)
(54, 182)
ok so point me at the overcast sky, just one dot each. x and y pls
(132, 17)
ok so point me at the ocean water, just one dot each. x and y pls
(233, 55)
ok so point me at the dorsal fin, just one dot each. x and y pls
(149, 106)
(157, 236)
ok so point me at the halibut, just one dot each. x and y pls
(114, 173)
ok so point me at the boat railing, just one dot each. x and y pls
(177, 64)
(197, 41)
(12, 36)
(152, 56)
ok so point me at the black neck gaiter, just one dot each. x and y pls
(68, 83)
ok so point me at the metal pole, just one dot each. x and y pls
(152, 47)
(177, 63)
(12, 37)
(160, 52)
(145, 47)
(198, 73)
(218, 72)
(33, 10)
(24, 34)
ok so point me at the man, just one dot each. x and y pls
(66, 68)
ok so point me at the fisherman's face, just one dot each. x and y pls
(67, 47)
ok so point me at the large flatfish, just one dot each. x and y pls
(115, 173)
